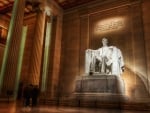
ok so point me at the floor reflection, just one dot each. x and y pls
(18, 108)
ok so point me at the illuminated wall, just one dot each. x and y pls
(124, 32)
(121, 23)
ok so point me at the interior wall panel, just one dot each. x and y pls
(121, 23)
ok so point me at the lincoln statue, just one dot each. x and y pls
(105, 60)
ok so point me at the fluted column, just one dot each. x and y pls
(10, 58)
(53, 89)
(46, 52)
(36, 59)
(20, 59)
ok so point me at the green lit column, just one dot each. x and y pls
(46, 50)
(12, 46)
(46, 53)
(10, 32)
(20, 58)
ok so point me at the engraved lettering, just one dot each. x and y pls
(113, 25)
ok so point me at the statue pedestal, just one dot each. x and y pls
(97, 91)
(99, 84)
(99, 88)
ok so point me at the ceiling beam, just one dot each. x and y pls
(6, 8)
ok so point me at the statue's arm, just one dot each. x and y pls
(121, 60)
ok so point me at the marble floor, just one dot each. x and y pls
(18, 108)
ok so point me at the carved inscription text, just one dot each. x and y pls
(112, 25)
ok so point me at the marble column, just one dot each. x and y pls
(20, 59)
(10, 58)
(36, 59)
(53, 87)
(46, 52)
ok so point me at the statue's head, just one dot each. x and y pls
(104, 41)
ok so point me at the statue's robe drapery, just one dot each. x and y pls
(109, 58)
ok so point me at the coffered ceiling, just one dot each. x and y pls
(6, 5)
(66, 4)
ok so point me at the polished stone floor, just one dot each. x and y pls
(18, 108)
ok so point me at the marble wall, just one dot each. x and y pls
(146, 28)
(125, 23)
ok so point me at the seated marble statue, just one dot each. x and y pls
(105, 60)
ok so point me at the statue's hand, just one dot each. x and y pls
(99, 58)
(88, 50)
(123, 68)
(108, 61)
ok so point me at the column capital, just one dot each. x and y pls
(39, 6)
(46, 10)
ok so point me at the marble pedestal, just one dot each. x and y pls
(99, 84)
(99, 88)
(97, 91)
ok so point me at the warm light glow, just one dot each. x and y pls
(3, 27)
(13, 108)
(129, 81)
(1, 4)
(47, 11)
(109, 25)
